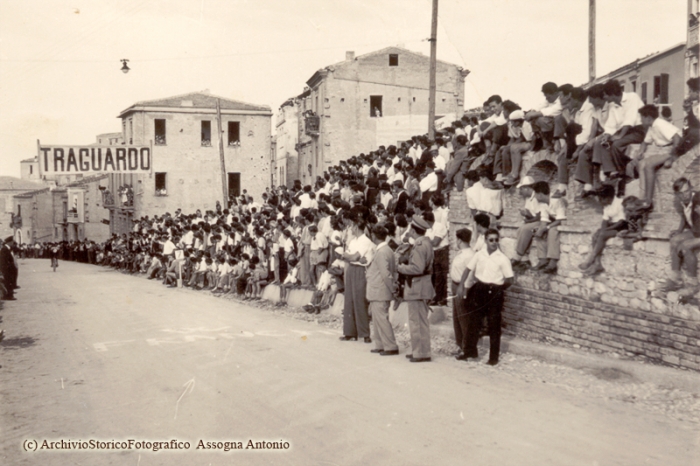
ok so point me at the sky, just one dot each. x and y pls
(60, 78)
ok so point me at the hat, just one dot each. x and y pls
(9, 239)
(420, 222)
(517, 115)
(526, 181)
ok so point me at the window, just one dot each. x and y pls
(393, 59)
(159, 132)
(31, 169)
(234, 184)
(206, 133)
(634, 86)
(19, 210)
(234, 133)
(161, 184)
(644, 92)
(131, 130)
(375, 106)
(661, 89)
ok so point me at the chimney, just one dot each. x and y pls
(349, 55)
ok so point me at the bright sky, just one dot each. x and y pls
(60, 78)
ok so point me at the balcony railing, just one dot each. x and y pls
(693, 35)
(312, 124)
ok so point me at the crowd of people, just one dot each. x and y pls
(375, 226)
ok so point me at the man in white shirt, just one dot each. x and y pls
(358, 254)
(459, 265)
(542, 118)
(590, 117)
(565, 127)
(491, 273)
(622, 128)
(662, 134)
(613, 221)
(429, 183)
(522, 140)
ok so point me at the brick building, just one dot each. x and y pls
(186, 169)
(351, 107)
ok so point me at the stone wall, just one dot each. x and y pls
(619, 310)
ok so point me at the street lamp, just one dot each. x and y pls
(125, 67)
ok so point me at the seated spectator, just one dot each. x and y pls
(566, 133)
(685, 241)
(614, 221)
(531, 219)
(622, 128)
(552, 214)
(542, 118)
(492, 196)
(661, 133)
(588, 117)
(290, 282)
(521, 140)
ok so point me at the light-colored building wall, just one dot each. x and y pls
(193, 171)
(639, 76)
(287, 133)
(340, 96)
(109, 139)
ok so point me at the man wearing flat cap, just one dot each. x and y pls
(418, 290)
(8, 269)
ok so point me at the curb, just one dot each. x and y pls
(642, 372)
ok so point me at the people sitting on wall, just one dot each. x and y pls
(685, 240)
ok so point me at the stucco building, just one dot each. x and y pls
(10, 218)
(186, 170)
(658, 79)
(351, 107)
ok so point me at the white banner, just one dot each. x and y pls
(72, 160)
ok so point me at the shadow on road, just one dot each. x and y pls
(17, 343)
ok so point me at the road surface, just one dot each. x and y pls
(93, 355)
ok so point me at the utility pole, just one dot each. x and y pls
(433, 68)
(221, 154)
(591, 40)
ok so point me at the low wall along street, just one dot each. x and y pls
(620, 310)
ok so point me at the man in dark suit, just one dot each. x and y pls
(8, 269)
(381, 279)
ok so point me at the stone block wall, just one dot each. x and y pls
(620, 310)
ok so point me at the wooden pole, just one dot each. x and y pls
(221, 154)
(591, 40)
(433, 67)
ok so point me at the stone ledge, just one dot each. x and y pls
(646, 373)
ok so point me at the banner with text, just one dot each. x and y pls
(72, 160)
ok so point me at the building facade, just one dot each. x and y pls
(186, 167)
(658, 79)
(287, 134)
(12, 219)
(380, 98)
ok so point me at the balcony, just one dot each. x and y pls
(312, 123)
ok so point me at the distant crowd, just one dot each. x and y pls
(376, 227)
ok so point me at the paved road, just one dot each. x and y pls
(92, 354)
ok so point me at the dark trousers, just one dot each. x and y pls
(440, 271)
(355, 315)
(613, 157)
(459, 318)
(484, 300)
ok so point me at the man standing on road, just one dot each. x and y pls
(491, 273)
(8, 269)
(381, 279)
(418, 290)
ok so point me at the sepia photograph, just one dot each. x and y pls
(329, 233)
